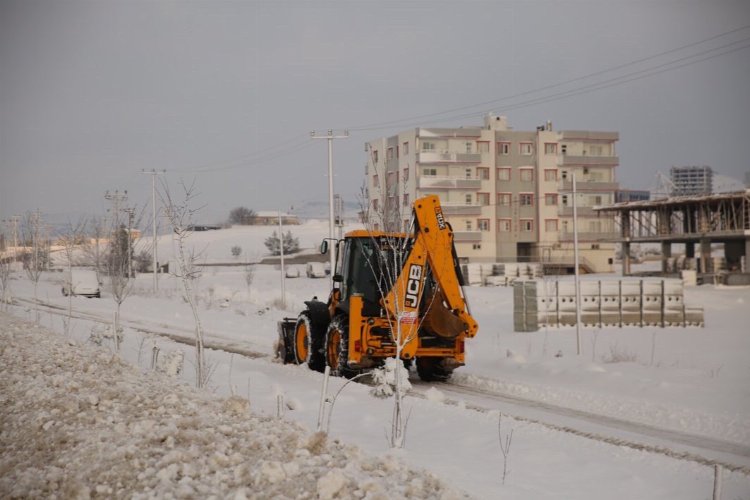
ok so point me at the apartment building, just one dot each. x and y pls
(691, 180)
(506, 193)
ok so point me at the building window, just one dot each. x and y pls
(595, 246)
(503, 199)
(564, 174)
(406, 200)
(526, 148)
(483, 146)
(565, 200)
(526, 199)
(503, 148)
(468, 173)
(550, 199)
(483, 199)
(503, 174)
(430, 172)
(406, 148)
(406, 174)
(503, 225)
(375, 204)
(550, 148)
(375, 181)
(550, 225)
(428, 146)
(596, 150)
(550, 174)
(483, 224)
(564, 149)
(468, 225)
(468, 199)
(389, 154)
(483, 173)
(526, 225)
(527, 175)
(374, 155)
(476, 246)
(469, 147)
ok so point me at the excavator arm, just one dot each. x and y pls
(443, 309)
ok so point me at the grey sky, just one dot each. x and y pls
(93, 92)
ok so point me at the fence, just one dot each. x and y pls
(619, 303)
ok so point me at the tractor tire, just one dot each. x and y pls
(301, 339)
(337, 347)
(431, 370)
(307, 344)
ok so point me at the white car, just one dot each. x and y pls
(316, 270)
(81, 282)
(292, 272)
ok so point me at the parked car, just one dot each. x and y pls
(316, 270)
(292, 272)
(81, 282)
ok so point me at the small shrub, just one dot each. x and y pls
(236, 250)
(619, 354)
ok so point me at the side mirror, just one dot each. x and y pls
(324, 247)
(337, 278)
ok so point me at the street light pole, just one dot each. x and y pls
(577, 278)
(331, 234)
(153, 173)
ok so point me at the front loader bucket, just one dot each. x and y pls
(285, 344)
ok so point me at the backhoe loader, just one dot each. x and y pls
(394, 295)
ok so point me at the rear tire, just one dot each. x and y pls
(431, 370)
(301, 339)
(337, 347)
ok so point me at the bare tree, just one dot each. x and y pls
(5, 267)
(36, 251)
(180, 214)
(71, 239)
(392, 249)
(505, 442)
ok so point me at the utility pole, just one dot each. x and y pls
(577, 278)
(131, 216)
(283, 275)
(153, 173)
(330, 137)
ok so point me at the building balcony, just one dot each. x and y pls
(584, 185)
(448, 157)
(449, 209)
(607, 161)
(439, 182)
(467, 236)
(582, 211)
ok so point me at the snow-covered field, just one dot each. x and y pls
(660, 393)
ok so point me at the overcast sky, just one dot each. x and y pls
(226, 93)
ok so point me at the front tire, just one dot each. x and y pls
(432, 370)
(337, 347)
(301, 340)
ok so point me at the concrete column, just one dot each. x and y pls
(690, 250)
(666, 254)
(746, 262)
(626, 258)
(706, 262)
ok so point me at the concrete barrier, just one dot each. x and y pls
(538, 303)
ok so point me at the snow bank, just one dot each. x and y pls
(77, 422)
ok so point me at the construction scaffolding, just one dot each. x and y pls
(689, 220)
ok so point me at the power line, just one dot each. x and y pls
(393, 123)
(283, 148)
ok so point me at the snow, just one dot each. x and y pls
(682, 391)
(78, 422)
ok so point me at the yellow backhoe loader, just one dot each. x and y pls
(394, 294)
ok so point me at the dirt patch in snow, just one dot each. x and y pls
(77, 422)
